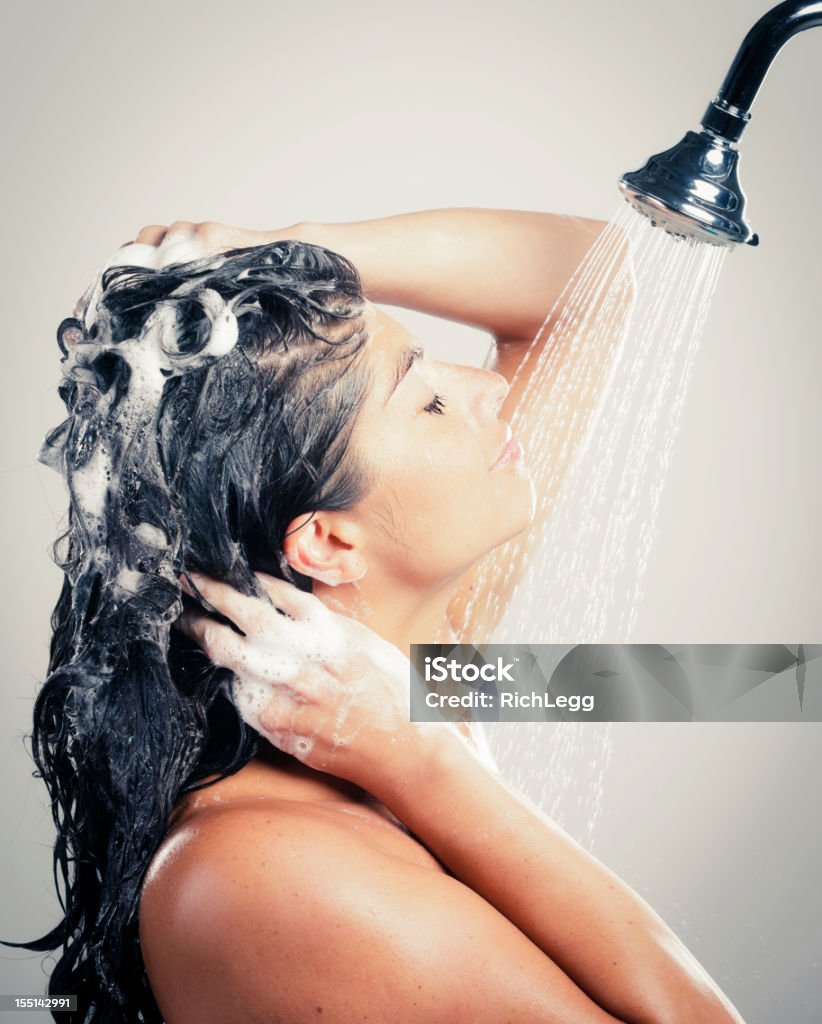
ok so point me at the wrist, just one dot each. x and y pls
(335, 237)
(341, 238)
(370, 245)
(415, 761)
(301, 231)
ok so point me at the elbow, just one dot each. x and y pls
(710, 1007)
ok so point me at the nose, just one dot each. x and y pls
(483, 391)
(491, 390)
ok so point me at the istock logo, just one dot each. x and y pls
(437, 670)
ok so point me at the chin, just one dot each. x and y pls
(519, 525)
(532, 500)
(520, 514)
(522, 502)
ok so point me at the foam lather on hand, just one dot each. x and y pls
(176, 247)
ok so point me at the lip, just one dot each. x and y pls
(511, 450)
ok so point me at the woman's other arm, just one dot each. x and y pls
(587, 921)
(578, 912)
(283, 911)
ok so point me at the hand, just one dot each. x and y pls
(215, 237)
(158, 245)
(316, 684)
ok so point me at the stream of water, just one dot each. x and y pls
(598, 421)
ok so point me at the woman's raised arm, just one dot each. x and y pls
(498, 270)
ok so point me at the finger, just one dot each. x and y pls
(289, 598)
(187, 618)
(153, 234)
(245, 612)
(274, 716)
(180, 227)
(256, 701)
(222, 645)
(279, 721)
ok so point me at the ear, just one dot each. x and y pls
(327, 546)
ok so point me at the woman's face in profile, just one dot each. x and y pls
(431, 432)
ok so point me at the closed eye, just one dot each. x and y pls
(436, 405)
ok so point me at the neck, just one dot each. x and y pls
(400, 614)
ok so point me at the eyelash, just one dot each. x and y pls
(436, 405)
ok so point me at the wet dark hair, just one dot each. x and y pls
(132, 714)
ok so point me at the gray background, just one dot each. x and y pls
(262, 114)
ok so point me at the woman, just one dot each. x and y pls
(343, 863)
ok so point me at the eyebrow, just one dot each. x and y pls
(409, 357)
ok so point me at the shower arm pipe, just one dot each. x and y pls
(728, 115)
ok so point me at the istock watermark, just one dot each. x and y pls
(616, 682)
(437, 670)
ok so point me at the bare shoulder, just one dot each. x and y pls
(260, 869)
(284, 911)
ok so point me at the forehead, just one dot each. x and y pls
(387, 340)
(380, 324)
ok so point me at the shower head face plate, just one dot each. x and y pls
(692, 191)
(683, 224)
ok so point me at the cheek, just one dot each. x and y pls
(459, 465)
(435, 489)
(448, 466)
(431, 493)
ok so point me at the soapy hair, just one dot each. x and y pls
(209, 404)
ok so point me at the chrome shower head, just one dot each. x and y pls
(692, 190)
